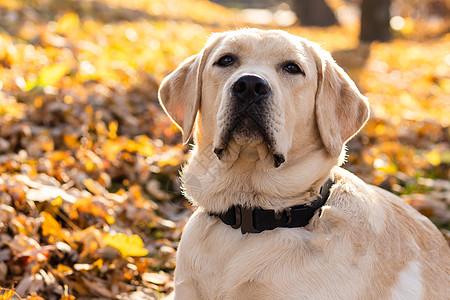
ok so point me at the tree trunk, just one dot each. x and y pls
(314, 13)
(375, 18)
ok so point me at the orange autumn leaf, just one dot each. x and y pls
(71, 140)
(50, 226)
(111, 148)
(113, 126)
(86, 205)
(6, 294)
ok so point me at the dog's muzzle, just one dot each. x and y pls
(249, 117)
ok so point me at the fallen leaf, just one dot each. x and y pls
(127, 245)
(156, 278)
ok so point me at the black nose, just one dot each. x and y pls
(250, 87)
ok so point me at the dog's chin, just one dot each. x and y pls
(249, 145)
(247, 136)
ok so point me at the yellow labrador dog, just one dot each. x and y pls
(276, 218)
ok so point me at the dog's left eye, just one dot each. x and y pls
(293, 68)
(225, 61)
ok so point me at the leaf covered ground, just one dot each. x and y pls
(90, 206)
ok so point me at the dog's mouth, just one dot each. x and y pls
(249, 131)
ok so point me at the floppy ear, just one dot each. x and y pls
(181, 91)
(341, 110)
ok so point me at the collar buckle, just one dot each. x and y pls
(244, 219)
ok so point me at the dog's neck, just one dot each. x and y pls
(215, 186)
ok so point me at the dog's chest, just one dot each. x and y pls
(221, 263)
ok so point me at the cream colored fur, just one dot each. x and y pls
(365, 243)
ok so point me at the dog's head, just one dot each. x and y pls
(257, 94)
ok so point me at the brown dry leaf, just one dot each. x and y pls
(89, 206)
(24, 285)
(3, 271)
(97, 287)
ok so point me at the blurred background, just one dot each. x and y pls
(90, 204)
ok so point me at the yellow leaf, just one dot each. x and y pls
(49, 75)
(109, 219)
(64, 269)
(68, 22)
(9, 294)
(57, 201)
(408, 26)
(127, 245)
(98, 263)
(10, 107)
(111, 148)
(434, 158)
(171, 160)
(385, 166)
(380, 129)
(132, 146)
(146, 147)
(142, 146)
(113, 129)
(50, 226)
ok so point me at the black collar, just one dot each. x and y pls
(256, 220)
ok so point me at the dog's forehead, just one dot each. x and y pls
(260, 44)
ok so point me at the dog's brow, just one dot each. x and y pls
(225, 53)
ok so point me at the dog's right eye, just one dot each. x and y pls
(225, 61)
